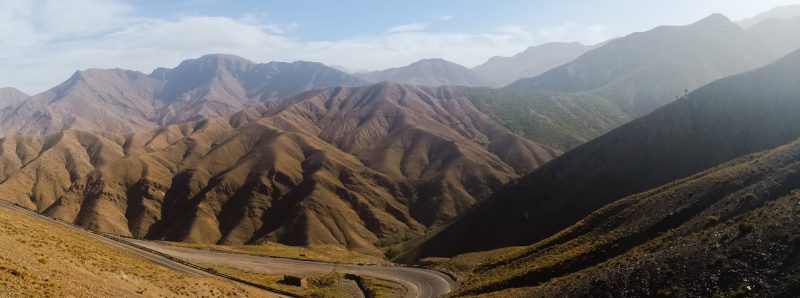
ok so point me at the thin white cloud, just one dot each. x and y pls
(43, 54)
(408, 28)
(445, 18)
(571, 31)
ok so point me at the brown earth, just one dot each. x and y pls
(416, 157)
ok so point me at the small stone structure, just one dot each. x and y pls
(294, 281)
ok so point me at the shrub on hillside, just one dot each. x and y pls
(745, 228)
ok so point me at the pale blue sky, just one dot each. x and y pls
(44, 41)
(332, 20)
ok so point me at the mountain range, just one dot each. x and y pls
(11, 96)
(659, 159)
(643, 71)
(780, 12)
(124, 101)
(717, 123)
(429, 72)
(531, 62)
(728, 231)
(348, 166)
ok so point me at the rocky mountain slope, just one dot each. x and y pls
(350, 166)
(729, 231)
(429, 72)
(729, 118)
(11, 96)
(531, 62)
(45, 259)
(644, 71)
(126, 101)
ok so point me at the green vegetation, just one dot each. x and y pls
(391, 253)
(795, 241)
(712, 220)
(554, 119)
(745, 228)
(636, 240)
(380, 288)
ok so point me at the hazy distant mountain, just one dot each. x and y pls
(349, 166)
(531, 62)
(11, 96)
(780, 12)
(429, 72)
(778, 35)
(644, 71)
(125, 101)
(724, 120)
(217, 85)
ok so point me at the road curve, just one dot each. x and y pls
(419, 282)
(153, 257)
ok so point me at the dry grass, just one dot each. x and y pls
(325, 285)
(323, 253)
(41, 259)
(383, 288)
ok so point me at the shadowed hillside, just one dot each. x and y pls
(644, 71)
(726, 119)
(732, 230)
(348, 166)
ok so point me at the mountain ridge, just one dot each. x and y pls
(643, 71)
(531, 62)
(429, 72)
(210, 86)
(354, 166)
(698, 131)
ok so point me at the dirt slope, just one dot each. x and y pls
(347, 166)
(732, 230)
(729, 118)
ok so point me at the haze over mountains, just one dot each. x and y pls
(780, 12)
(126, 101)
(413, 157)
(716, 123)
(777, 35)
(11, 96)
(644, 71)
(531, 62)
(618, 160)
(429, 72)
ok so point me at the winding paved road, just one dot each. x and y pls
(160, 260)
(155, 258)
(419, 282)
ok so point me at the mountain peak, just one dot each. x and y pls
(715, 20)
(11, 90)
(429, 72)
(436, 62)
(222, 58)
(10, 96)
